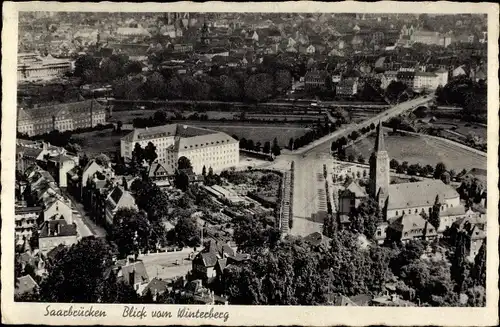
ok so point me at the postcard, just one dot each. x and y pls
(223, 163)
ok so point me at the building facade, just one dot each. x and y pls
(61, 117)
(203, 147)
(32, 67)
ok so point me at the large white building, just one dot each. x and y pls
(203, 147)
(32, 67)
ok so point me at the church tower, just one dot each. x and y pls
(379, 170)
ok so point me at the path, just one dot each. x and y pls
(84, 224)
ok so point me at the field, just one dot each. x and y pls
(461, 127)
(257, 132)
(106, 141)
(422, 150)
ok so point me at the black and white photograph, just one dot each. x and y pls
(250, 158)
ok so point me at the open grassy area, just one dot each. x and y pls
(257, 132)
(106, 141)
(422, 150)
(462, 127)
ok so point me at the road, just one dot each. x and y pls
(383, 116)
(309, 194)
(167, 265)
(85, 226)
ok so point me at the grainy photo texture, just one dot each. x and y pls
(232, 158)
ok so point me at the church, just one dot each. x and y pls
(402, 205)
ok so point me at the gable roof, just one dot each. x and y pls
(419, 194)
(80, 108)
(139, 270)
(157, 286)
(26, 284)
(57, 228)
(355, 189)
(412, 226)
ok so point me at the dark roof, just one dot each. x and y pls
(57, 228)
(157, 286)
(52, 254)
(140, 273)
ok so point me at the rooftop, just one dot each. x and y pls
(419, 194)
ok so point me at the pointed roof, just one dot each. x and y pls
(379, 143)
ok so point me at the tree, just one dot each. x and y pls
(187, 232)
(204, 171)
(361, 159)
(351, 158)
(229, 89)
(276, 150)
(372, 126)
(395, 89)
(458, 262)
(160, 117)
(119, 125)
(439, 171)
(267, 147)
(103, 160)
(290, 143)
(184, 163)
(250, 145)
(133, 67)
(78, 274)
(259, 87)
(478, 272)
(253, 233)
(243, 143)
(138, 154)
(174, 88)
(181, 180)
(434, 216)
(131, 232)
(291, 274)
(282, 80)
(365, 217)
(150, 153)
(354, 135)
(395, 123)
(394, 164)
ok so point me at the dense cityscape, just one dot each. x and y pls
(251, 159)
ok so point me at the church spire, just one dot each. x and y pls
(379, 143)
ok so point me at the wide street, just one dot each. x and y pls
(396, 110)
(84, 225)
(309, 194)
(167, 265)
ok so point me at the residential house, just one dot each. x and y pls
(315, 79)
(216, 256)
(118, 199)
(134, 274)
(406, 77)
(53, 233)
(347, 87)
(410, 227)
(195, 292)
(60, 165)
(156, 286)
(311, 49)
(26, 221)
(349, 199)
(25, 285)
